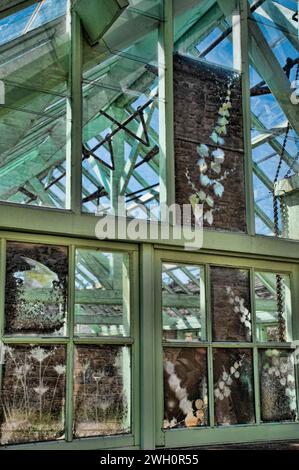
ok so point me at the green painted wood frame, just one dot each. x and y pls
(234, 433)
(132, 439)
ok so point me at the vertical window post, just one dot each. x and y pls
(74, 159)
(165, 59)
(246, 117)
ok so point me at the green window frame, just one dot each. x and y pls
(212, 433)
(70, 341)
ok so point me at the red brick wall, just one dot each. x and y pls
(198, 91)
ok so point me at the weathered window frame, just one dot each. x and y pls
(234, 433)
(71, 340)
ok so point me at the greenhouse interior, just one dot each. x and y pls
(149, 224)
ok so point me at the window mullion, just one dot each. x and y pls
(2, 303)
(246, 116)
(69, 406)
(75, 144)
(2, 284)
(256, 380)
(209, 348)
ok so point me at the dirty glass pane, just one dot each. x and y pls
(185, 388)
(102, 390)
(233, 386)
(121, 147)
(32, 394)
(34, 123)
(277, 385)
(102, 294)
(270, 324)
(183, 302)
(36, 289)
(230, 290)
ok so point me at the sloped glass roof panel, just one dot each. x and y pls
(21, 22)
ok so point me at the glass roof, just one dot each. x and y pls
(35, 112)
(30, 18)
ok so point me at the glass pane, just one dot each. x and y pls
(209, 142)
(277, 385)
(34, 121)
(203, 32)
(32, 394)
(36, 289)
(185, 388)
(102, 295)
(273, 307)
(102, 390)
(183, 302)
(230, 290)
(121, 103)
(275, 127)
(151, 8)
(233, 386)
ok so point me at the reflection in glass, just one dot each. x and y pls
(32, 394)
(275, 139)
(102, 294)
(34, 45)
(183, 308)
(272, 304)
(230, 290)
(233, 386)
(35, 289)
(213, 44)
(185, 388)
(277, 385)
(121, 78)
(102, 390)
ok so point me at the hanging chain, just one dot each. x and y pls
(279, 280)
(284, 218)
(280, 308)
(276, 198)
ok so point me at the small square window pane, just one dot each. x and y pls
(230, 290)
(277, 385)
(270, 325)
(233, 386)
(102, 391)
(185, 388)
(32, 394)
(183, 302)
(36, 289)
(102, 294)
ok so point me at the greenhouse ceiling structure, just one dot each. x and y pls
(149, 207)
